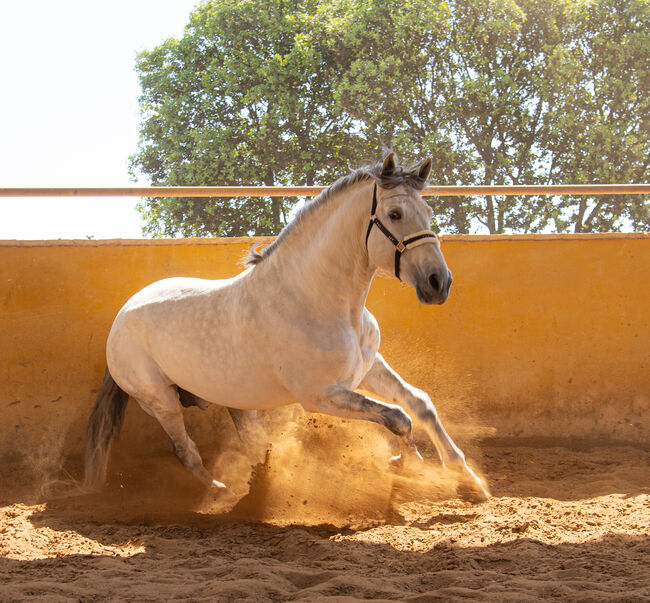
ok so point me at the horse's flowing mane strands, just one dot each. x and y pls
(398, 176)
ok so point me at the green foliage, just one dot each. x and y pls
(496, 91)
(231, 103)
(599, 118)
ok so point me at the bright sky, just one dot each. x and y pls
(69, 109)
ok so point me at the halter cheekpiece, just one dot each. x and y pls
(417, 238)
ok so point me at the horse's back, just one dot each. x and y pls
(167, 307)
(170, 291)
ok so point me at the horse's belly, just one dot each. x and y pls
(229, 378)
(252, 392)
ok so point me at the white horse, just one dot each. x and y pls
(293, 327)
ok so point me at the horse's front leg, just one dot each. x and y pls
(382, 380)
(341, 402)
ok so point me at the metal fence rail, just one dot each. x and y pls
(308, 191)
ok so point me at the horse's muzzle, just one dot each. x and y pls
(435, 288)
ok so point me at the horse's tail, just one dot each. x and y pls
(103, 427)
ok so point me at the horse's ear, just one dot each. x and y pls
(425, 169)
(388, 166)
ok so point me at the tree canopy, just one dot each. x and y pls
(275, 92)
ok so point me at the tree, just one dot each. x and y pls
(244, 97)
(394, 58)
(489, 89)
(599, 116)
(495, 91)
(497, 76)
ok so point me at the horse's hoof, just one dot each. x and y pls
(221, 490)
(473, 490)
(396, 463)
(222, 494)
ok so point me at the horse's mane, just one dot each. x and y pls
(409, 176)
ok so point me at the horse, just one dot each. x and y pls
(291, 327)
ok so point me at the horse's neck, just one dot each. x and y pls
(326, 259)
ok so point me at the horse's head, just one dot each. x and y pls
(398, 238)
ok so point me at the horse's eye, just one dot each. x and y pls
(395, 215)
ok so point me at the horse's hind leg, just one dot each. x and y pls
(164, 405)
(250, 430)
(382, 380)
(251, 433)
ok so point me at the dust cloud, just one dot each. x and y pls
(319, 470)
(326, 470)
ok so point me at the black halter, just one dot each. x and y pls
(400, 246)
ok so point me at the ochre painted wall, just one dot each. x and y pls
(542, 336)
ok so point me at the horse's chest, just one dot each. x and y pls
(340, 354)
(360, 355)
(369, 341)
(362, 365)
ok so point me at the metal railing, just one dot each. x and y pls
(308, 191)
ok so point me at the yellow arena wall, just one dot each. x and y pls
(542, 336)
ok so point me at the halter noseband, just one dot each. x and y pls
(417, 238)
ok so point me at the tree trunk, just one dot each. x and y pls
(581, 214)
(489, 206)
(276, 205)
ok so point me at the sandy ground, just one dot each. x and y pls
(326, 520)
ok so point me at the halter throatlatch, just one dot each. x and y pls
(417, 238)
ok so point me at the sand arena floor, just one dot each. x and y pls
(325, 520)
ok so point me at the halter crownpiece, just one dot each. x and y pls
(417, 238)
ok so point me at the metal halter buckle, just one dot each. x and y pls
(400, 246)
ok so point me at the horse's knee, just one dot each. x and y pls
(397, 421)
(423, 406)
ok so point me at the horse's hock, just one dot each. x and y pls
(542, 337)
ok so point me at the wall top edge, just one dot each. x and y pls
(253, 240)
(133, 242)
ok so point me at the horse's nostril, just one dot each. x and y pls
(434, 282)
